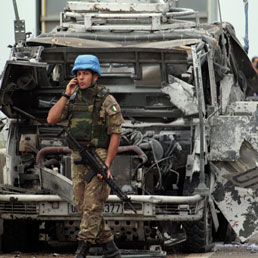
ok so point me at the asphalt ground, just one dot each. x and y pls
(219, 251)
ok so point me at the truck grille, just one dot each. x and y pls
(18, 208)
(175, 209)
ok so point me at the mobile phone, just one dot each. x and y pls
(76, 84)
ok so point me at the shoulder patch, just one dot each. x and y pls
(114, 108)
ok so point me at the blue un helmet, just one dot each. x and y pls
(86, 62)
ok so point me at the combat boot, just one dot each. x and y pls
(110, 250)
(82, 250)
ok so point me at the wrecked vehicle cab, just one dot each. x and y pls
(188, 151)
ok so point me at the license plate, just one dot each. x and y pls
(113, 208)
(110, 208)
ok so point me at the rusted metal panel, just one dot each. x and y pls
(235, 194)
(226, 136)
(229, 132)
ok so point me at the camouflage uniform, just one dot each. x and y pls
(89, 197)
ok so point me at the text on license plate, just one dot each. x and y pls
(116, 208)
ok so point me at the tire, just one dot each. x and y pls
(20, 235)
(199, 233)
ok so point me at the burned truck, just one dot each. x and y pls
(188, 153)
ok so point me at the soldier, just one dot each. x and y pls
(95, 121)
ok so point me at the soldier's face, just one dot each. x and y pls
(85, 78)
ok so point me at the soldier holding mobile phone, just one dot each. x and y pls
(95, 121)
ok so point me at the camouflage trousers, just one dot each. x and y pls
(89, 201)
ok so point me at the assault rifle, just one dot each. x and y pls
(92, 159)
(98, 166)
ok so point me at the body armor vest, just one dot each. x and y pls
(85, 122)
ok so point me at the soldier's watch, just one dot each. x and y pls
(65, 95)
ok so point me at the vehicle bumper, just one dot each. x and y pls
(149, 208)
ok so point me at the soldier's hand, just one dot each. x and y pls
(71, 86)
(108, 175)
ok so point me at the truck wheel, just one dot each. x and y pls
(199, 233)
(20, 235)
